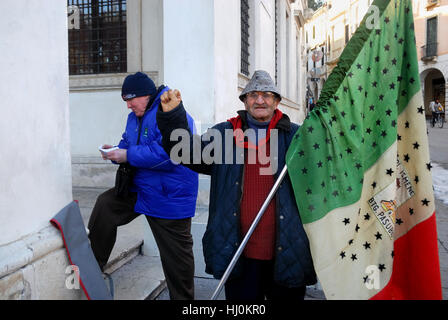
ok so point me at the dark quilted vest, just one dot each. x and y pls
(293, 263)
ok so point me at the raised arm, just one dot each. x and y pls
(171, 116)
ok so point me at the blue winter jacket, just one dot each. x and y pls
(164, 189)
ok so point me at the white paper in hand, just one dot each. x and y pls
(107, 150)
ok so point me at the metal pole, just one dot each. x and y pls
(249, 233)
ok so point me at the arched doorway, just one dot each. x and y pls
(434, 87)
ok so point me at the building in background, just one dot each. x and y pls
(206, 49)
(332, 25)
(327, 32)
(431, 21)
(316, 50)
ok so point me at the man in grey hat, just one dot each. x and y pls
(276, 262)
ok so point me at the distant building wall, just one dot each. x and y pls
(433, 64)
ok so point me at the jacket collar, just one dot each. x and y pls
(283, 124)
(240, 125)
(155, 97)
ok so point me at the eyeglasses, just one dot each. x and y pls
(265, 95)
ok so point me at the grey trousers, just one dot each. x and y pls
(173, 238)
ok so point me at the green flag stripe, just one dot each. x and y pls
(356, 117)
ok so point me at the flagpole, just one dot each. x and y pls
(249, 233)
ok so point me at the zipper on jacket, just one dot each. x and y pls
(241, 190)
(140, 122)
(277, 210)
(148, 108)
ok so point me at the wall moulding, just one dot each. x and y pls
(103, 82)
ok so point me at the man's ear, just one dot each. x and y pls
(277, 102)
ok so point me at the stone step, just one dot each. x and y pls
(129, 237)
(135, 276)
(139, 279)
(123, 253)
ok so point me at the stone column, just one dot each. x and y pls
(35, 173)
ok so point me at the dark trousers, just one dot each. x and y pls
(257, 284)
(433, 118)
(173, 238)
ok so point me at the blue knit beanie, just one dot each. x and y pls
(137, 85)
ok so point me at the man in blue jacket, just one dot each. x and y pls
(276, 263)
(163, 191)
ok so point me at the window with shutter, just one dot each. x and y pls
(99, 45)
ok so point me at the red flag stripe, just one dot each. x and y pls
(416, 268)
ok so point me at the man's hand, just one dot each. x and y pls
(119, 156)
(104, 155)
(170, 100)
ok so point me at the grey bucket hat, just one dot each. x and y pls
(261, 81)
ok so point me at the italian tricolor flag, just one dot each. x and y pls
(360, 168)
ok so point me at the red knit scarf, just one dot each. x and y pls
(255, 191)
(237, 124)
